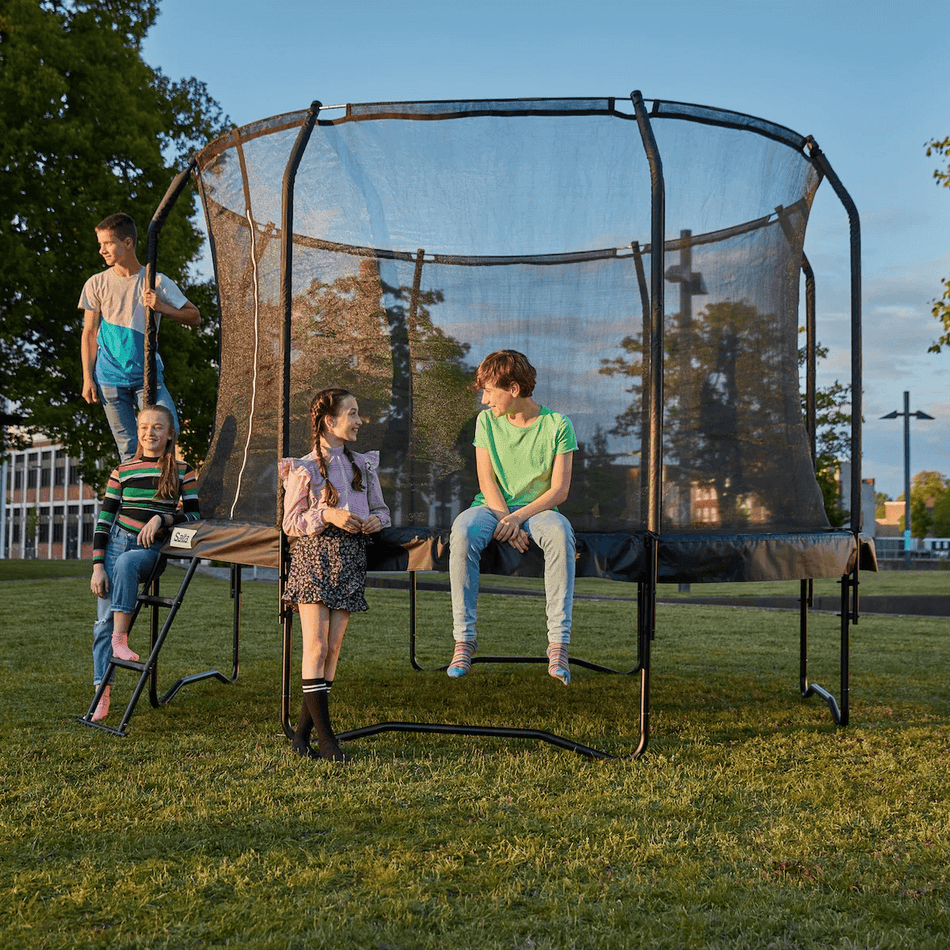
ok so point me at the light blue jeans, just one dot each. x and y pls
(550, 530)
(122, 404)
(127, 565)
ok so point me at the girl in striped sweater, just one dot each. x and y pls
(140, 505)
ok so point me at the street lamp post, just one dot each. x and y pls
(691, 285)
(907, 414)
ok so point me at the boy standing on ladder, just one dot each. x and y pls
(113, 334)
(523, 454)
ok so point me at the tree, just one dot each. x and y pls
(880, 509)
(941, 516)
(88, 128)
(920, 519)
(411, 378)
(723, 401)
(941, 307)
(927, 488)
(832, 438)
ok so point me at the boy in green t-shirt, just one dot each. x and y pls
(523, 455)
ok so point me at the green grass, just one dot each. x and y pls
(752, 822)
(904, 583)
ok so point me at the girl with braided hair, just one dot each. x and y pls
(332, 501)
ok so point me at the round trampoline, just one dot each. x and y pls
(646, 256)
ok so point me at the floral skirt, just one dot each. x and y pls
(328, 568)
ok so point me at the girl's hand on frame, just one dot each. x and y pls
(343, 519)
(99, 584)
(149, 534)
(372, 524)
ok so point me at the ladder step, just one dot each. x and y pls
(130, 664)
(157, 601)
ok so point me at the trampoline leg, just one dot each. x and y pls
(413, 601)
(838, 713)
(646, 631)
(287, 621)
(849, 585)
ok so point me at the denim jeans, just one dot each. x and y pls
(122, 403)
(127, 565)
(550, 530)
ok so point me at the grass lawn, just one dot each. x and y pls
(901, 583)
(752, 822)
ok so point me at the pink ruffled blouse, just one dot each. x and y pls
(303, 490)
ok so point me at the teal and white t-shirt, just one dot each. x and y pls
(522, 459)
(118, 300)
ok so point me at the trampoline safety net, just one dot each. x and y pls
(426, 235)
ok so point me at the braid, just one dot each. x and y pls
(327, 403)
(331, 496)
(357, 482)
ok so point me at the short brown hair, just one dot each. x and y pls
(121, 225)
(504, 368)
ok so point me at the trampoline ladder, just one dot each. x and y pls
(148, 669)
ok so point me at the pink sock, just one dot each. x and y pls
(120, 647)
(102, 709)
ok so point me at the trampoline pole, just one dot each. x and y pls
(818, 157)
(653, 462)
(150, 382)
(849, 583)
(283, 447)
(811, 354)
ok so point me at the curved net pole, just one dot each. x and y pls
(652, 440)
(818, 157)
(155, 226)
(811, 354)
(849, 583)
(283, 446)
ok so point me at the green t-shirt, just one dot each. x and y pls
(522, 459)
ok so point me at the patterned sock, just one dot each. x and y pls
(102, 707)
(120, 647)
(462, 658)
(558, 665)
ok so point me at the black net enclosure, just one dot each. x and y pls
(389, 247)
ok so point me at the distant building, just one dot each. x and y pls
(46, 510)
(868, 504)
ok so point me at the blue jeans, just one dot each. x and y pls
(122, 404)
(127, 565)
(550, 530)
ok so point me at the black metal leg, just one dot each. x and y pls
(839, 714)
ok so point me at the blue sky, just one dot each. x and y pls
(866, 78)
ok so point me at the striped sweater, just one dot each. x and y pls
(130, 501)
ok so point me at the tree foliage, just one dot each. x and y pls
(941, 516)
(365, 335)
(713, 379)
(941, 307)
(87, 128)
(927, 491)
